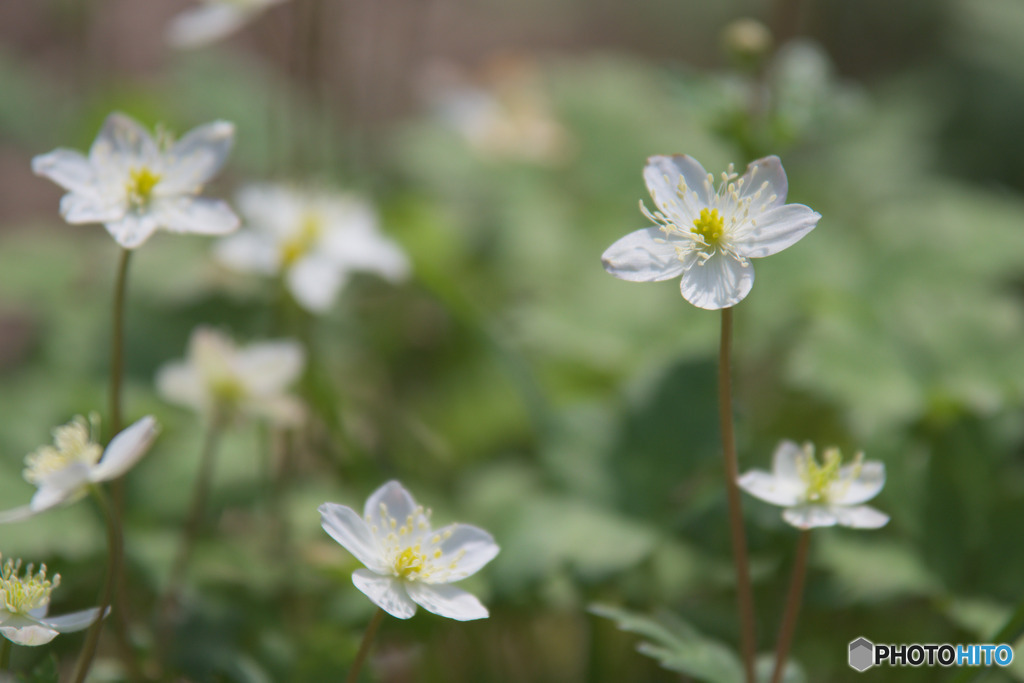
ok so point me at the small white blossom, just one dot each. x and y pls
(219, 379)
(63, 472)
(408, 563)
(706, 235)
(24, 602)
(819, 494)
(213, 20)
(135, 184)
(314, 239)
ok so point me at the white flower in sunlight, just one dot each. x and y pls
(706, 235)
(219, 379)
(212, 20)
(135, 184)
(819, 494)
(316, 240)
(64, 471)
(24, 602)
(407, 563)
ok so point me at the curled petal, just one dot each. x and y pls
(643, 256)
(387, 592)
(345, 526)
(774, 230)
(447, 601)
(720, 282)
(126, 449)
(27, 631)
(663, 175)
(466, 547)
(74, 621)
(769, 488)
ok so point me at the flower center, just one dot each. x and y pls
(710, 226)
(72, 443)
(820, 478)
(227, 391)
(141, 182)
(410, 563)
(311, 227)
(20, 595)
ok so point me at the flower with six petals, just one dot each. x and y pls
(708, 235)
(408, 563)
(819, 494)
(63, 472)
(135, 184)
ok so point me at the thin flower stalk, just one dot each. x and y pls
(364, 646)
(793, 602)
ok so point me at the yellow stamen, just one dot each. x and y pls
(710, 226)
(21, 595)
(140, 185)
(311, 227)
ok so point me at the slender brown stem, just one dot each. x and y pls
(115, 549)
(744, 592)
(364, 647)
(796, 593)
(117, 344)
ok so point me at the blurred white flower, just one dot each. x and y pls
(64, 471)
(314, 239)
(221, 380)
(819, 494)
(24, 602)
(135, 184)
(212, 20)
(706, 235)
(407, 563)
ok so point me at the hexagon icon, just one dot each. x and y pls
(862, 654)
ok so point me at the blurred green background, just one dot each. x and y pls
(511, 383)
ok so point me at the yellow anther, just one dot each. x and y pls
(21, 595)
(139, 187)
(820, 478)
(409, 563)
(710, 226)
(311, 227)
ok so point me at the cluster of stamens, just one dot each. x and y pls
(73, 443)
(714, 226)
(822, 478)
(21, 595)
(303, 240)
(411, 551)
(139, 187)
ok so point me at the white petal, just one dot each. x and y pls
(387, 592)
(205, 24)
(662, 175)
(133, 229)
(91, 208)
(810, 516)
(643, 256)
(269, 368)
(469, 547)
(446, 601)
(248, 252)
(392, 501)
(179, 383)
(16, 514)
(200, 215)
(68, 168)
(367, 250)
(281, 411)
(786, 461)
(860, 517)
(314, 282)
(121, 144)
(26, 631)
(126, 449)
(272, 210)
(75, 621)
(195, 158)
(768, 488)
(775, 230)
(345, 526)
(720, 282)
(765, 183)
(849, 489)
(60, 487)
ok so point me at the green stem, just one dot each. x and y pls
(5, 654)
(364, 647)
(744, 592)
(795, 597)
(115, 547)
(117, 344)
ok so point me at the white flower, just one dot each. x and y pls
(407, 563)
(819, 494)
(64, 471)
(212, 20)
(134, 184)
(706, 235)
(219, 379)
(314, 239)
(24, 602)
